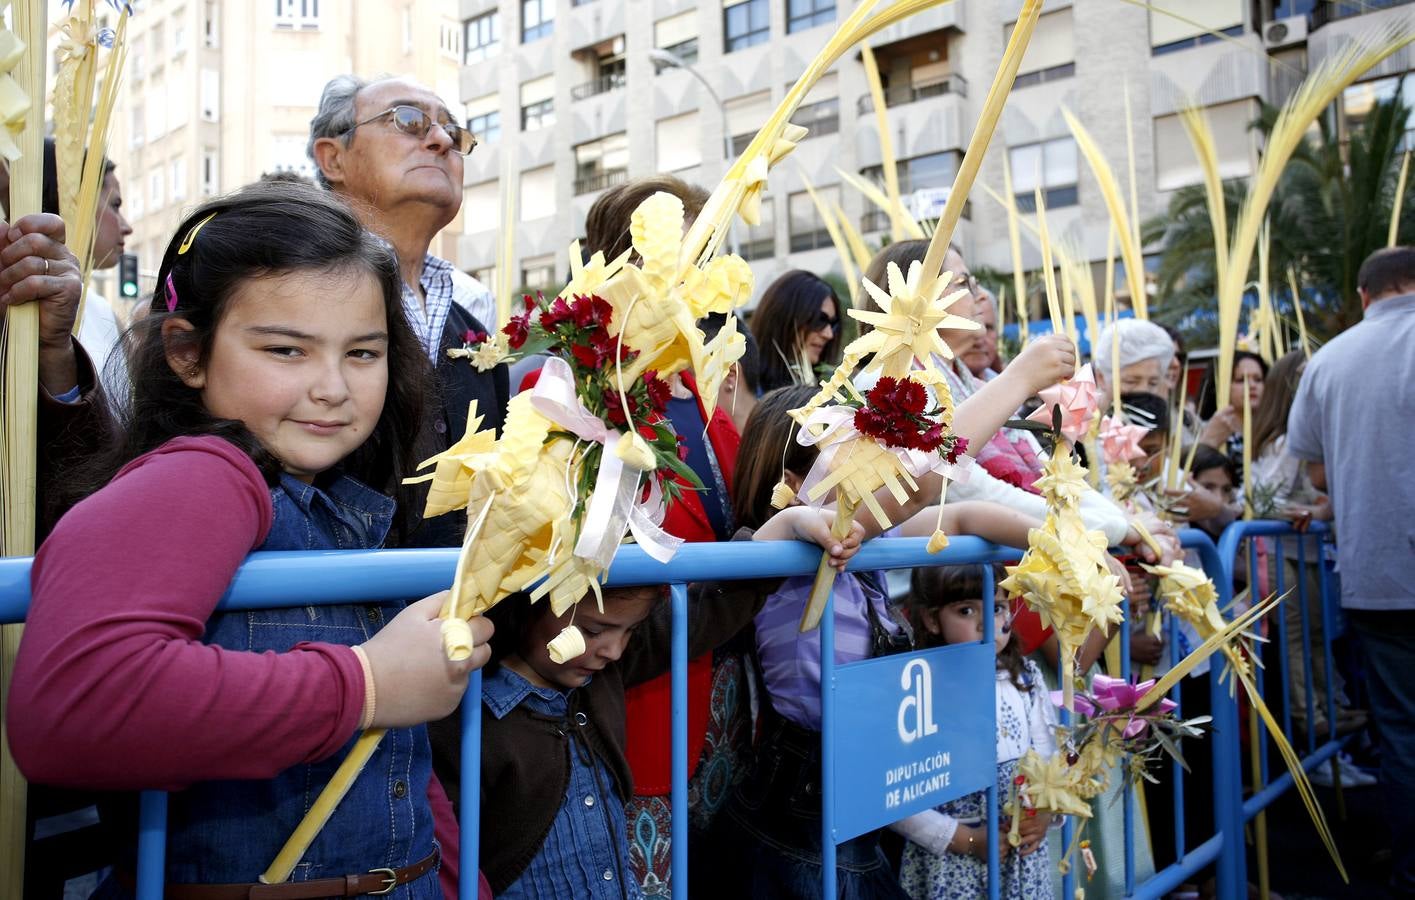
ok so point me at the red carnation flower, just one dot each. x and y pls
(473, 336)
(613, 409)
(557, 312)
(583, 310)
(586, 356)
(518, 330)
(658, 391)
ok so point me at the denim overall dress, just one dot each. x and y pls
(222, 832)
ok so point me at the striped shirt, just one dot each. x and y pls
(790, 660)
(443, 284)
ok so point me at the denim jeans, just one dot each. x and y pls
(1388, 639)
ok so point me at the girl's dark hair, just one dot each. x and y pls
(1208, 403)
(787, 309)
(1279, 390)
(260, 231)
(934, 587)
(1206, 458)
(768, 435)
(515, 615)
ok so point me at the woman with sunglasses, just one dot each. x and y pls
(797, 327)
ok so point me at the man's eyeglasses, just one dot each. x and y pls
(415, 123)
(821, 322)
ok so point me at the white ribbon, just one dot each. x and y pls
(613, 508)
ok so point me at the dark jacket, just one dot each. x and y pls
(457, 384)
(525, 761)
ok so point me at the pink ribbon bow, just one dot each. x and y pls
(1120, 441)
(1077, 400)
(1111, 694)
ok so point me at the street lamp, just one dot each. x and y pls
(667, 59)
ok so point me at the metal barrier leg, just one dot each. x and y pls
(1324, 588)
(1256, 763)
(827, 793)
(1232, 879)
(678, 873)
(994, 867)
(152, 844)
(1124, 629)
(469, 805)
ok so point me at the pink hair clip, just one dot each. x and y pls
(171, 294)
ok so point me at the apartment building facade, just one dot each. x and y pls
(573, 96)
(218, 92)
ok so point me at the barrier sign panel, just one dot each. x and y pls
(912, 731)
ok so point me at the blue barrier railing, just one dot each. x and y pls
(269, 580)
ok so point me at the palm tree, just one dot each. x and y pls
(1330, 211)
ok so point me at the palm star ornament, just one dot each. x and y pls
(906, 327)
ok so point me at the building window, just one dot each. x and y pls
(537, 19)
(135, 125)
(483, 37)
(602, 163)
(606, 61)
(678, 35)
(924, 182)
(482, 205)
(179, 179)
(1050, 165)
(154, 188)
(1201, 19)
(760, 242)
(537, 193)
(211, 24)
(288, 155)
(211, 95)
(1051, 53)
(677, 143)
(745, 115)
(538, 103)
(808, 231)
(210, 173)
(179, 33)
(819, 118)
(745, 23)
(1175, 163)
(296, 13)
(449, 40)
(484, 118)
(803, 14)
(538, 272)
(486, 275)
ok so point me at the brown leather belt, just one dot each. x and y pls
(374, 882)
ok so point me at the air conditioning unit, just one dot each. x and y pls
(1285, 32)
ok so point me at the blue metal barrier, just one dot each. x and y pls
(270, 580)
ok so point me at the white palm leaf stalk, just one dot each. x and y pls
(81, 128)
(1311, 98)
(904, 333)
(22, 71)
(1130, 249)
(837, 238)
(503, 284)
(1014, 240)
(859, 250)
(1393, 233)
(897, 215)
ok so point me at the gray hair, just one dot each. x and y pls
(336, 116)
(1139, 341)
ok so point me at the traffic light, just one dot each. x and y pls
(128, 275)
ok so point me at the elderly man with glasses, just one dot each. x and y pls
(394, 151)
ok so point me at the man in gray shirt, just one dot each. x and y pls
(1351, 420)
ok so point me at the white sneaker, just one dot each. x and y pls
(1351, 776)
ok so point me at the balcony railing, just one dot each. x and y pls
(598, 181)
(611, 81)
(908, 93)
(1330, 12)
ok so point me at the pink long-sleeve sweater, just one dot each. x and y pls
(113, 688)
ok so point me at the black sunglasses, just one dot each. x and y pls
(821, 322)
(415, 123)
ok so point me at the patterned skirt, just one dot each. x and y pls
(720, 768)
(928, 876)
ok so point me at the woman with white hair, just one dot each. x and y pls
(1135, 353)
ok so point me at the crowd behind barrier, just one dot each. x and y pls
(273, 580)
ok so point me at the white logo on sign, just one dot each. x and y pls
(916, 712)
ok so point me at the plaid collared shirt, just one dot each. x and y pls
(443, 284)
